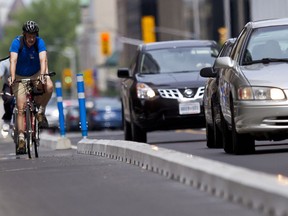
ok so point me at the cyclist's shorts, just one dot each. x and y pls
(18, 87)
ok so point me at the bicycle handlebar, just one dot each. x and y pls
(29, 81)
(52, 73)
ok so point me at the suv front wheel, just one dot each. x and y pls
(138, 134)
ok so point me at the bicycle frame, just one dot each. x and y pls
(30, 122)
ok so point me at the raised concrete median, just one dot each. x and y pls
(265, 193)
(54, 141)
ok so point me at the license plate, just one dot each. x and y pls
(189, 108)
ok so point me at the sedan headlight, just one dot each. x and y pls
(260, 93)
(144, 91)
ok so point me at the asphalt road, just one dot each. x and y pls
(62, 182)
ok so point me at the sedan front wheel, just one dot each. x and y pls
(242, 143)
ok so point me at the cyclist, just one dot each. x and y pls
(7, 97)
(28, 59)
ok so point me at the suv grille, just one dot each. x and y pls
(176, 93)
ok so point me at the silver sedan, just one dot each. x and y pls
(253, 86)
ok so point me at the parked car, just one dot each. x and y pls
(253, 86)
(211, 100)
(162, 89)
(52, 113)
(72, 113)
(105, 114)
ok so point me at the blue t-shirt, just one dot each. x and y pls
(28, 62)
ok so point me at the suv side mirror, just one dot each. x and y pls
(123, 73)
(207, 72)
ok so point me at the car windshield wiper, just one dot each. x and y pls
(150, 72)
(266, 61)
(184, 71)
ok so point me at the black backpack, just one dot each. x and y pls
(21, 38)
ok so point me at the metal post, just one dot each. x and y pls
(197, 24)
(60, 107)
(227, 17)
(82, 105)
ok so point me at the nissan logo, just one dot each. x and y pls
(188, 93)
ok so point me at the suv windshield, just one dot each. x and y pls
(179, 59)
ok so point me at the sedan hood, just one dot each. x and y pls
(172, 80)
(272, 74)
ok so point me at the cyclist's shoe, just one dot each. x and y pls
(6, 126)
(21, 146)
(42, 120)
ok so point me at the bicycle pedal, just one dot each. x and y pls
(21, 151)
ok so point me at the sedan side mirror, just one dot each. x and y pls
(224, 62)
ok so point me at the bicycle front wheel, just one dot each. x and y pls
(29, 132)
(36, 138)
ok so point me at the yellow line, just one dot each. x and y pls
(192, 131)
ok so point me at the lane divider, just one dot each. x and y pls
(262, 192)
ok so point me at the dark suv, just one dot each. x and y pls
(162, 89)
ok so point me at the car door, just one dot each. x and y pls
(127, 86)
(229, 77)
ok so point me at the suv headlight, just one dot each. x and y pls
(260, 93)
(144, 91)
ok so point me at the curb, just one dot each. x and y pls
(262, 192)
(54, 142)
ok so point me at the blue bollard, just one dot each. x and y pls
(82, 105)
(60, 107)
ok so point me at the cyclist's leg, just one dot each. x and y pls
(19, 92)
(8, 101)
(43, 100)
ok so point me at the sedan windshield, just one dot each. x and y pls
(185, 59)
(269, 44)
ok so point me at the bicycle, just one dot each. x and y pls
(30, 121)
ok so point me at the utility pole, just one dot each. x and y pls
(227, 17)
(241, 15)
(196, 19)
(1, 20)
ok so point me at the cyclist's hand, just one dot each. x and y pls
(10, 81)
(42, 79)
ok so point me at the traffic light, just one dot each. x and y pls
(88, 77)
(105, 44)
(148, 29)
(67, 78)
(222, 35)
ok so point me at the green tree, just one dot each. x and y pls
(57, 21)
